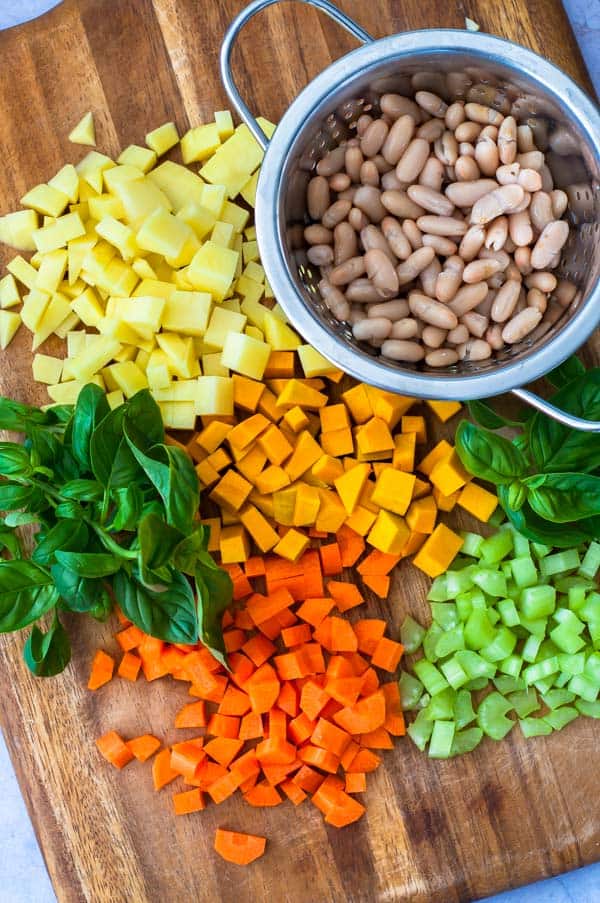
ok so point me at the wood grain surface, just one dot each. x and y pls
(434, 832)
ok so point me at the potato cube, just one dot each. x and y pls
(84, 132)
(143, 314)
(56, 312)
(67, 393)
(185, 256)
(178, 415)
(67, 181)
(47, 369)
(90, 171)
(278, 334)
(187, 312)
(65, 229)
(75, 343)
(235, 215)
(234, 161)
(313, 363)
(128, 377)
(248, 189)
(249, 289)
(9, 324)
(178, 390)
(212, 366)
(88, 308)
(222, 323)
(224, 123)
(119, 235)
(158, 370)
(222, 234)
(163, 138)
(94, 358)
(143, 158)
(45, 199)
(199, 143)
(16, 229)
(215, 396)
(200, 218)
(105, 205)
(255, 312)
(9, 293)
(155, 287)
(34, 308)
(180, 185)
(52, 270)
(163, 234)
(140, 198)
(245, 355)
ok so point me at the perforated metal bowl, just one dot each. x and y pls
(454, 64)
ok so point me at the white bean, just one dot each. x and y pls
(465, 194)
(468, 297)
(430, 200)
(443, 357)
(521, 325)
(433, 336)
(507, 140)
(431, 311)
(505, 301)
(442, 225)
(398, 139)
(398, 350)
(372, 328)
(396, 310)
(474, 350)
(413, 160)
(381, 272)
(502, 200)
(475, 322)
(496, 233)
(395, 237)
(410, 268)
(398, 203)
(368, 199)
(519, 227)
(347, 271)
(550, 243)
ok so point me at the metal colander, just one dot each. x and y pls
(455, 65)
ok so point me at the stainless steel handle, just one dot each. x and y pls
(231, 35)
(576, 423)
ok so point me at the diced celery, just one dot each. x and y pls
(524, 702)
(534, 727)
(441, 706)
(559, 718)
(566, 640)
(479, 601)
(560, 563)
(478, 683)
(463, 709)
(430, 642)
(444, 614)
(576, 597)
(591, 561)
(464, 605)
(505, 683)
(454, 673)
(590, 611)
(458, 581)
(566, 618)
(524, 571)
(440, 744)
(491, 716)
(471, 544)
(555, 698)
(520, 545)
(531, 648)
(450, 641)
(497, 518)
(511, 665)
(420, 730)
(493, 615)
(537, 627)
(540, 670)
(592, 668)
(491, 582)
(537, 601)
(466, 741)
(501, 646)
(497, 546)
(432, 679)
(564, 584)
(438, 591)
(561, 680)
(572, 664)
(584, 687)
(590, 709)
(479, 631)
(506, 568)
(540, 549)
(508, 612)
(411, 690)
(411, 634)
(544, 685)
(474, 665)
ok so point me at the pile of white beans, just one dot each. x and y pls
(436, 230)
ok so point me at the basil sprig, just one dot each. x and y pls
(116, 514)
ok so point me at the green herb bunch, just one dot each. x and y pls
(116, 515)
(548, 476)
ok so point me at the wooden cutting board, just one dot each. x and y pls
(505, 815)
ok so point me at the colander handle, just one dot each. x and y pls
(576, 423)
(231, 35)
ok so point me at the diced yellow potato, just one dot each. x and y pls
(116, 175)
(16, 229)
(119, 330)
(143, 268)
(97, 260)
(68, 393)
(75, 343)
(255, 311)
(186, 254)
(313, 363)
(248, 288)
(278, 334)
(84, 132)
(163, 234)
(179, 390)
(180, 352)
(88, 308)
(268, 289)
(47, 369)
(143, 158)
(129, 378)
(254, 270)
(9, 293)
(212, 270)
(181, 281)
(199, 143)
(56, 313)
(65, 229)
(232, 304)
(250, 255)
(143, 314)
(22, 271)
(234, 161)
(278, 311)
(255, 333)
(86, 191)
(91, 170)
(178, 415)
(180, 185)
(224, 123)
(221, 323)
(158, 370)
(34, 307)
(214, 198)
(140, 198)
(116, 278)
(45, 199)
(119, 235)
(267, 126)
(9, 324)
(248, 190)
(163, 138)
(105, 205)
(52, 270)
(130, 353)
(155, 287)
(94, 358)
(222, 234)
(77, 251)
(200, 218)
(141, 358)
(67, 181)
(187, 313)
(215, 396)
(67, 325)
(245, 355)
(238, 244)
(212, 366)
(115, 399)
(250, 233)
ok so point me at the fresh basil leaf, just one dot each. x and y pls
(47, 654)
(69, 510)
(64, 535)
(559, 449)
(80, 594)
(21, 519)
(14, 496)
(566, 372)
(14, 460)
(487, 455)
(214, 592)
(144, 418)
(564, 497)
(129, 502)
(483, 414)
(169, 615)
(103, 608)
(157, 541)
(82, 490)
(17, 417)
(26, 593)
(536, 529)
(89, 564)
(111, 460)
(60, 414)
(9, 540)
(91, 408)
(185, 556)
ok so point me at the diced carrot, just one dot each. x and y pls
(249, 783)
(259, 649)
(349, 753)
(172, 660)
(290, 665)
(327, 794)
(275, 751)
(129, 666)
(150, 652)
(122, 619)
(345, 690)
(356, 782)
(368, 633)
(313, 698)
(192, 715)
(234, 702)
(331, 559)
(377, 739)
(331, 709)
(346, 595)
(102, 670)
(336, 635)
(330, 737)
(351, 544)
(312, 655)
(301, 728)
(130, 638)
(394, 716)
(114, 749)
(162, 773)
(241, 849)
(294, 636)
(364, 716)
(143, 747)
(243, 620)
(223, 750)
(241, 668)
(370, 682)
(346, 811)
(313, 611)
(251, 726)
(255, 566)
(377, 564)
(207, 774)
(288, 700)
(277, 724)
(319, 758)
(262, 688)
(364, 760)
(308, 779)
(339, 666)
(223, 726)
(241, 587)
(263, 794)
(359, 663)
(188, 801)
(379, 585)
(293, 792)
(387, 654)
(275, 774)
(185, 758)
(260, 608)
(225, 786)
(233, 640)
(212, 689)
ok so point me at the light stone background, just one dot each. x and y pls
(24, 877)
